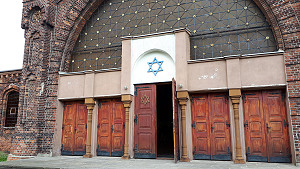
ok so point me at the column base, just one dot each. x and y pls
(88, 156)
(239, 161)
(184, 159)
(126, 157)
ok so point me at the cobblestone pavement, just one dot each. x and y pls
(116, 163)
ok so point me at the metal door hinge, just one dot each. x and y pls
(112, 128)
(246, 124)
(248, 152)
(63, 127)
(135, 119)
(227, 124)
(194, 152)
(98, 126)
(75, 129)
(211, 128)
(286, 124)
(62, 147)
(123, 125)
(193, 124)
(135, 148)
(86, 126)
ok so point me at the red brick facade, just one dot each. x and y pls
(51, 29)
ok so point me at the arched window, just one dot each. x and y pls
(12, 109)
(218, 28)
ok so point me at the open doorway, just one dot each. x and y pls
(165, 143)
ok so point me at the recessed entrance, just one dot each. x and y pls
(165, 143)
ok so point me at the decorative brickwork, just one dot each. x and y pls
(51, 30)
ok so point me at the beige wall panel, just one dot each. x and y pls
(261, 71)
(108, 83)
(233, 73)
(126, 66)
(182, 45)
(89, 85)
(207, 76)
(71, 86)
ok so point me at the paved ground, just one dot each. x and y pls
(116, 163)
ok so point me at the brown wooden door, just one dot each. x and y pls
(175, 122)
(74, 128)
(266, 127)
(111, 132)
(145, 121)
(211, 127)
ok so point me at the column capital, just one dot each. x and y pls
(126, 99)
(235, 92)
(90, 103)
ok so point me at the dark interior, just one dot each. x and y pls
(165, 144)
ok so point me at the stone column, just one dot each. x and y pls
(183, 98)
(126, 99)
(235, 95)
(90, 103)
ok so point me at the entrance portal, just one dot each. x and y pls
(164, 121)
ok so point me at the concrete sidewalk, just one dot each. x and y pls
(117, 162)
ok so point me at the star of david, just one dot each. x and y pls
(155, 62)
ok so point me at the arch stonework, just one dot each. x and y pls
(62, 24)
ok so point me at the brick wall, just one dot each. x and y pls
(50, 40)
(9, 81)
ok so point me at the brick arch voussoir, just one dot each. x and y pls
(75, 30)
(273, 21)
(9, 89)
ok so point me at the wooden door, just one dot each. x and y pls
(145, 121)
(74, 128)
(110, 132)
(175, 122)
(211, 127)
(266, 126)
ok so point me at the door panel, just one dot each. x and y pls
(104, 129)
(81, 129)
(68, 129)
(74, 128)
(211, 132)
(265, 130)
(145, 121)
(278, 141)
(118, 133)
(201, 127)
(220, 133)
(111, 132)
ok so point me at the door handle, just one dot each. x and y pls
(267, 125)
(112, 128)
(211, 128)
